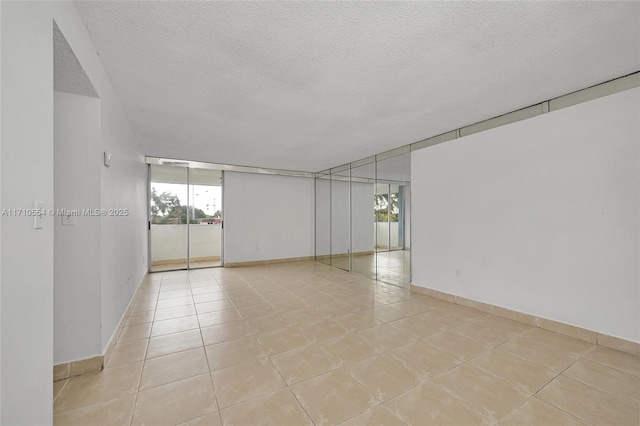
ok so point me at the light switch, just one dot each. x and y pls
(38, 215)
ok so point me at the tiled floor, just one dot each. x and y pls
(303, 343)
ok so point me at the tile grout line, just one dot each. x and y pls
(144, 359)
(213, 386)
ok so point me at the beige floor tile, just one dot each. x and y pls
(147, 295)
(384, 313)
(317, 299)
(515, 371)
(303, 316)
(491, 337)
(376, 416)
(621, 384)
(170, 294)
(57, 387)
(541, 355)
(429, 404)
(484, 393)
(268, 323)
(322, 330)
(334, 309)
(140, 318)
(278, 295)
(144, 305)
(412, 307)
(384, 338)
(348, 349)
(218, 317)
(615, 359)
(537, 412)
(135, 332)
(90, 389)
(557, 341)
(245, 302)
(172, 343)
(212, 419)
(242, 382)
(234, 352)
(332, 397)
(171, 368)
(209, 296)
(465, 313)
(255, 311)
(175, 403)
(589, 404)
(242, 293)
(289, 305)
(124, 353)
(173, 302)
(213, 306)
(383, 376)
(116, 412)
(174, 312)
(441, 318)
(279, 408)
(175, 325)
(225, 332)
(282, 340)
(391, 297)
(303, 363)
(423, 359)
(511, 327)
(414, 327)
(353, 322)
(461, 347)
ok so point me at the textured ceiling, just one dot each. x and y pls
(311, 85)
(68, 75)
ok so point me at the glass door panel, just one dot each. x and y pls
(363, 220)
(168, 218)
(205, 218)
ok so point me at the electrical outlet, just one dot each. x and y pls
(458, 272)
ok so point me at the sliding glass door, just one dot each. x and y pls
(205, 224)
(185, 218)
(168, 221)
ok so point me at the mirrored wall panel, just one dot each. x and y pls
(323, 218)
(340, 218)
(392, 241)
(363, 218)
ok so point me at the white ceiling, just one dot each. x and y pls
(68, 75)
(311, 85)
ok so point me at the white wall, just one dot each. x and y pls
(77, 151)
(123, 238)
(540, 216)
(26, 175)
(267, 217)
